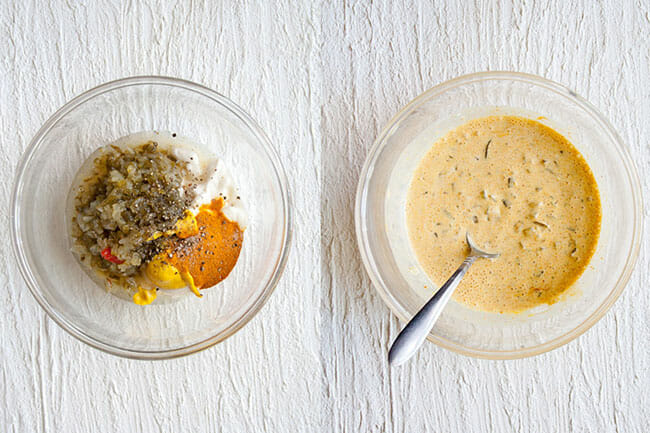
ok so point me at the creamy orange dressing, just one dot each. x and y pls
(520, 189)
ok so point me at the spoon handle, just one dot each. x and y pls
(415, 332)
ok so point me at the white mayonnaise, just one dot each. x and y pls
(211, 180)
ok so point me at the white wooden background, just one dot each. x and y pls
(321, 78)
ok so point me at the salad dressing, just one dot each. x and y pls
(521, 189)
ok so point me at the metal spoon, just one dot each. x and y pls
(413, 335)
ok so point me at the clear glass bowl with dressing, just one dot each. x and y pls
(381, 222)
(101, 116)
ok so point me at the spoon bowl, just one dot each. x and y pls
(476, 251)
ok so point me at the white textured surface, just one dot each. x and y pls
(321, 79)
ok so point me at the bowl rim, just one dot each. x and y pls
(622, 151)
(280, 174)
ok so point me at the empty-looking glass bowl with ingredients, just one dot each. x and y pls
(151, 217)
(530, 170)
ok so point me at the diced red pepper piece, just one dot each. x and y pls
(106, 254)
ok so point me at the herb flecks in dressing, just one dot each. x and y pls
(519, 188)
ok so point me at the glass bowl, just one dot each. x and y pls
(100, 116)
(381, 222)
